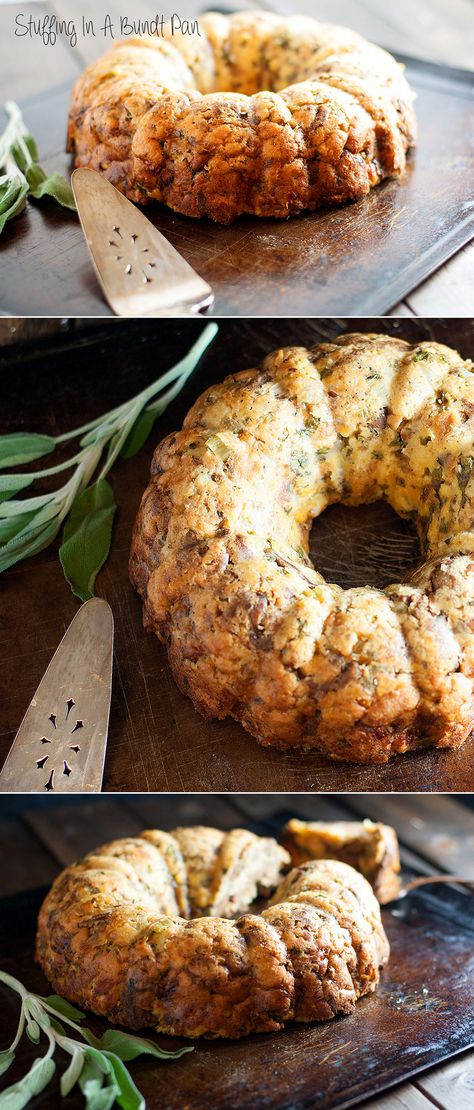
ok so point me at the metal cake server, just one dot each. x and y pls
(60, 744)
(141, 274)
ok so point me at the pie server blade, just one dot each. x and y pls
(141, 274)
(60, 745)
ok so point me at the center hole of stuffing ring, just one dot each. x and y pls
(363, 545)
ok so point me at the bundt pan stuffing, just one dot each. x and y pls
(255, 114)
(220, 549)
(155, 931)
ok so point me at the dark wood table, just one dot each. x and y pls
(156, 739)
(40, 837)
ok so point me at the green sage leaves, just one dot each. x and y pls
(20, 173)
(53, 186)
(24, 448)
(96, 1065)
(36, 1079)
(6, 1058)
(84, 506)
(86, 537)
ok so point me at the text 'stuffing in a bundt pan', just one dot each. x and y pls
(156, 930)
(220, 549)
(257, 114)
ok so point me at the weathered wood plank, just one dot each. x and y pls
(452, 286)
(406, 1097)
(26, 862)
(167, 811)
(440, 829)
(70, 831)
(402, 309)
(451, 1086)
(312, 807)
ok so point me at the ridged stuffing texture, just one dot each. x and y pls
(155, 931)
(255, 114)
(220, 548)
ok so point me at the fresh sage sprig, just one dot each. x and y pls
(97, 1065)
(85, 507)
(20, 172)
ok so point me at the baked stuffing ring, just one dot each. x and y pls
(254, 114)
(220, 549)
(156, 930)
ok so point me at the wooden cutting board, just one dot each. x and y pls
(156, 739)
(422, 1013)
(354, 260)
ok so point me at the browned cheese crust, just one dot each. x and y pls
(370, 847)
(113, 937)
(257, 114)
(220, 549)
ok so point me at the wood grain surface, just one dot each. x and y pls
(156, 740)
(357, 259)
(422, 1011)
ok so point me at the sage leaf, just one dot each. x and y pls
(90, 1073)
(99, 1098)
(6, 1058)
(34, 176)
(128, 1096)
(13, 983)
(70, 1077)
(36, 1012)
(127, 1046)
(139, 433)
(36, 1079)
(30, 144)
(56, 1025)
(8, 192)
(23, 175)
(14, 203)
(29, 505)
(21, 154)
(54, 186)
(24, 447)
(33, 1031)
(99, 1061)
(91, 1081)
(62, 1007)
(28, 542)
(40, 516)
(13, 483)
(86, 537)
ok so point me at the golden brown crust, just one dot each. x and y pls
(258, 114)
(108, 941)
(370, 847)
(220, 549)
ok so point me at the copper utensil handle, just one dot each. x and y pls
(426, 879)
